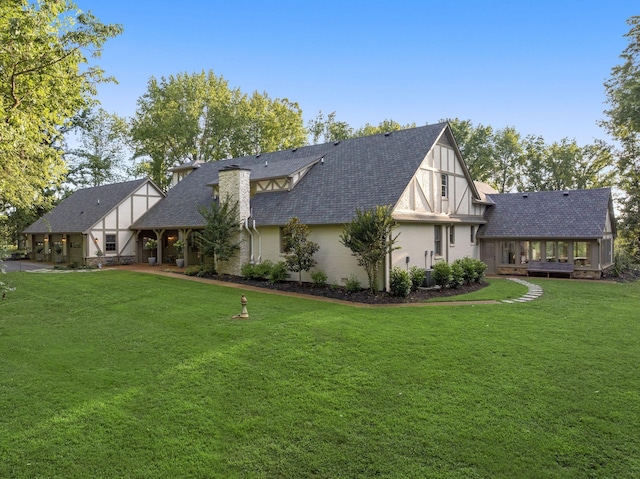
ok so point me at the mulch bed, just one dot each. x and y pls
(362, 296)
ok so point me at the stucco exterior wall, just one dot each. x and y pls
(117, 222)
(333, 258)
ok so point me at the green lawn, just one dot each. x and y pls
(123, 375)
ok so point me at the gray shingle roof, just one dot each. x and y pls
(548, 214)
(356, 173)
(81, 210)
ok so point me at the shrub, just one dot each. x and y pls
(399, 282)
(192, 270)
(206, 270)
(418, 276)
(442, 274)
(248, 271)
(468, 265)
(480, 269)
(278, 272)
(319, 278)
(263, 270)
(457, 274)
(353, 284)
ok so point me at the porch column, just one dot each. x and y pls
(159, 235)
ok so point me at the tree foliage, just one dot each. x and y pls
(370, 238)
(324, 130)
(45, 79)
(220, 237)
(509, 162)
(102, 154)
(189, 117)
(298, 249)
(623, 97)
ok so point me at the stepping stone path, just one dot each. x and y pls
(534, 292)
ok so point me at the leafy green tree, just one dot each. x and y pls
(383, 127)
(188, 117)
(509, 159)
(623, 98)
(220, 237)
(298, 249)
(45, 79)
(324, 130)
(370, 238)
(476, 146)
(102, 153)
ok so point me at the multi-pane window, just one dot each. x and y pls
(452, 235)
(550, 248)
(582, 253)
(508, 252)
(536, 251)
(444, 179)
(109, 242)
(437, 239)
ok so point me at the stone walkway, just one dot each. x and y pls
(534, 292)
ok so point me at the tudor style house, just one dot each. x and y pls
(418, 171)
(92, 223)
(442, 214)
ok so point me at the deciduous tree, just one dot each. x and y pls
(102, 154)
(370, 238)
(188, 117)
(45, 78)
(623, 98)
(298, 249)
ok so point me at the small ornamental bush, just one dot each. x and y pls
(480, 267)
(468, 265)
(262, 270)
(457, 274)
(400, 282)
(278, 272)
(192, 270)
(442, 274)
(206, 270)
(353, 284)
(418, 276)
(319, 278)
(249, 271)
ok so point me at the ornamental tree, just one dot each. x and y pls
(298, 249)
(370, 238)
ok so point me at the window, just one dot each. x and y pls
(452, 235)
(550, 248)
(472, 238)
(563, 251)
(109, 242)
(508, 252)
(524, 252)
(437, 240)
(536, 251)
(444, 187)
(607, 257)
(582, 253)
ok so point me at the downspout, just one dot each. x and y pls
(387, 267)
(245, 225)
(259, 241)
(446, 241)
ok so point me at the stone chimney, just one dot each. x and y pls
(234, 185)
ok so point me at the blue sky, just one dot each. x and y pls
(536, 65)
